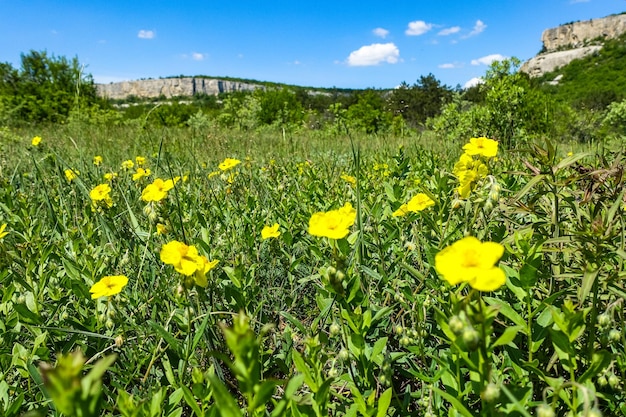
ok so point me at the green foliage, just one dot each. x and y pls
(45, 88)
(420, 101)
(592, 82)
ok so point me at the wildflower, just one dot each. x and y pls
(107, 286)
(468, 171)
(481, 146)
(36, 141)
(348, 178)
(100, 195)
(71, 174)
(140, 160)
(184, 258)
(228, 163)
(204, 266)
(270, 231)
(187, 261)
(570, 153)
(334, 224)
(213, 174)
(128, 164)
(3, 233)
(161, 229)
(110, 176)
(470, 260)
(140, 173)
(157, 191)
(97, 160)
(416, 204)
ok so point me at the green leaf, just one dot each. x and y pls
(458, 406)
(507, 336)
(506, 311)
(303, 368)
(599, 361)
(191, 401)
(169, 339)
(383, 403)
(589, 277)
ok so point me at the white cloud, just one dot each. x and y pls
(418, 27)
(449, 31)
(479, 27)
(488, 59)
(146, 34)
(374, 54)
(449, 65)
(198, 56)
(473, 82)
(380, 32)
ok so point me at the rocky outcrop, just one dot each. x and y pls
(172, 87)
(579, 34)
(544, 63)
(563, 44)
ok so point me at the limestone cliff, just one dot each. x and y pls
(172, 87)
(563, 44)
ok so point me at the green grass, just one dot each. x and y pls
(300, 324)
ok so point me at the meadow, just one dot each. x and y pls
(156, 271)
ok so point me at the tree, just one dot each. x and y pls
(421, 101)
(45, 88)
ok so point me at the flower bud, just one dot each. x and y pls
(334, 329)
(604, 320)
(471, 338)
(544, 410)
(613, 381)
(490, 393)
(344, 355)
(456, 325)
(615, 335)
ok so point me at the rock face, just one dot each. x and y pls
(172, 87)
(579, 34)
(542, 63)
(572, 41)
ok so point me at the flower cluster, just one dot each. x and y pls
(416, 204)
(472, 261)
(228, 163)
(188, 262)
(140, 173)
(334, 224)
(71, 174)
(471, 166)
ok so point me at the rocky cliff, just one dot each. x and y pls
(172, 87)
(563, 44)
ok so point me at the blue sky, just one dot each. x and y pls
(321, 43)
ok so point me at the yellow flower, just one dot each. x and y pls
(204, 266)
(472, 261)
(36, 141)
(348, 178)
(2, 231)
(228, 163)
(140, 173)
(97, 160)
(270, 231)
(100, 195)
(213, 174)
(334, 224)
(418, 203)
(107, 286)
(140, 160)
(161, 229)
(110, 176)
(71, 174)
(187, 261)
(482, 146)
(570, 153)
(157, 191)
(184, 258)
(128, 164)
